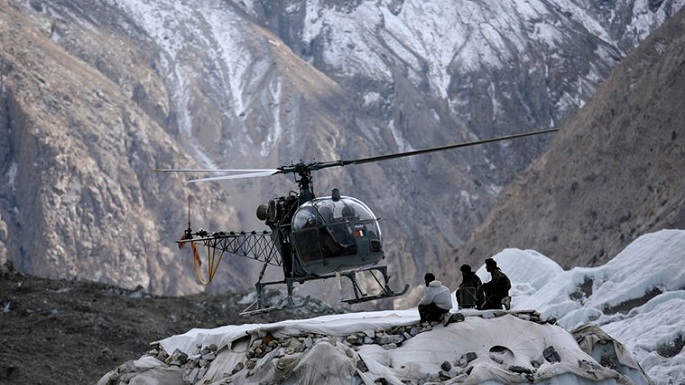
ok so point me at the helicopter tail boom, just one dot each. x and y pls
(254, 245)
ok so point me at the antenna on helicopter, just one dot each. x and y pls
(189, 231)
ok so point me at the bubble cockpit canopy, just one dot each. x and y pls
(331, 233)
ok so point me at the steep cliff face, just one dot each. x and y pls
(97, 93)
(614, 171)
(78, 196)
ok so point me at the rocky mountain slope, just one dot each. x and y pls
(73, 332)
(77, 197)
(94, 94)
(614, 171)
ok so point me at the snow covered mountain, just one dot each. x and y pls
(96, 93)
(612, 174)
(619, 323)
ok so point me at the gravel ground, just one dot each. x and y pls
(74, 332)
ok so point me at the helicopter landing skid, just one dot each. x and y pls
(365, 298)
(287, 303)
(386, 292)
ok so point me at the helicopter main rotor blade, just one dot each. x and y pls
(304, 169)
(434, 149)
(236, 176)
(244, 170)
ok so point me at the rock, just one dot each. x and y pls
(238, 367)
(551, 354)
(446, 366)
(519, 369)
(352, 339)
(177, 358)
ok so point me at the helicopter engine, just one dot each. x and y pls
(278, 211)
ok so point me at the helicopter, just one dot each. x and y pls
(309, 238)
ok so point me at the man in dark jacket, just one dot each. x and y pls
(469, 294)
(497, 289)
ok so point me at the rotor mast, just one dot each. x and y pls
(305, 183)
(304, 176)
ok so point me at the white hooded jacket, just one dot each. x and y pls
(437, 293)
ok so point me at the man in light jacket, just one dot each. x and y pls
(436, 300)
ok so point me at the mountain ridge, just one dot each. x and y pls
(610, 175)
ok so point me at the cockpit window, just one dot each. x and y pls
(325, 211)
(324, 230)
(305, 217)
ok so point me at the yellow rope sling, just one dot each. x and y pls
(212, 263)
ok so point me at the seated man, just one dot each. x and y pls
(436, 300)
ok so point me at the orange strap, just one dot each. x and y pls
(212, 263)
